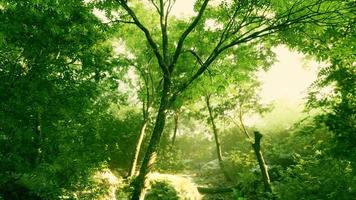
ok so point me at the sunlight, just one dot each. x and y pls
(105, 178)
(289, 78)
(183, 8)
(177, 99)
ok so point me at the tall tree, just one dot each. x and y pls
(238, 22)
(333, 93)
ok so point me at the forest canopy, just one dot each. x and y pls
(122, 99)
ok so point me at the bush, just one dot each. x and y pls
(161, 190)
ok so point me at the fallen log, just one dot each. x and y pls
(215, 190)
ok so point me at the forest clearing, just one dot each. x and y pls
(177, 99)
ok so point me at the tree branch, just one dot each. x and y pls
(120, 21)
(272, 28)
(196, 56)
(186, 33)
(163, 24)
(149, 38)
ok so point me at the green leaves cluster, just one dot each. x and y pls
(56, 73)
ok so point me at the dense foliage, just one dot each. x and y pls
(93, 93)
(58, 80)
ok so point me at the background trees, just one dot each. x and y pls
(72, 104)
(253, 22)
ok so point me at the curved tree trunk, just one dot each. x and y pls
(150, 156)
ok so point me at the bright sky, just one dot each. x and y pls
(289, 78)
(286, 85)
(183, 8)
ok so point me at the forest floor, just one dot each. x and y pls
(195, 186)
(186, 184)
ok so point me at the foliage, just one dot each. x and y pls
(57, 69)
(70, 97)
(333, 94)
(304, 167)
(161, 190)
(170, 160)
(338, 105)
(317, 178)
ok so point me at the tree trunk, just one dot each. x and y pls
(261, 161)
(146, 104)
(176, 119)
(150, 156)
(132, 170)
(215, 131)
(217, 140)
(38, 138)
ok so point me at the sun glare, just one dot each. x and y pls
(289, 78)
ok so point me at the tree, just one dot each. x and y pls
(261, 161)
(216, 136)
(241, 98)
(148, 91)
(247, 101)
(55, 67)
(333, 93)
(241, 22)
(177, 113)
